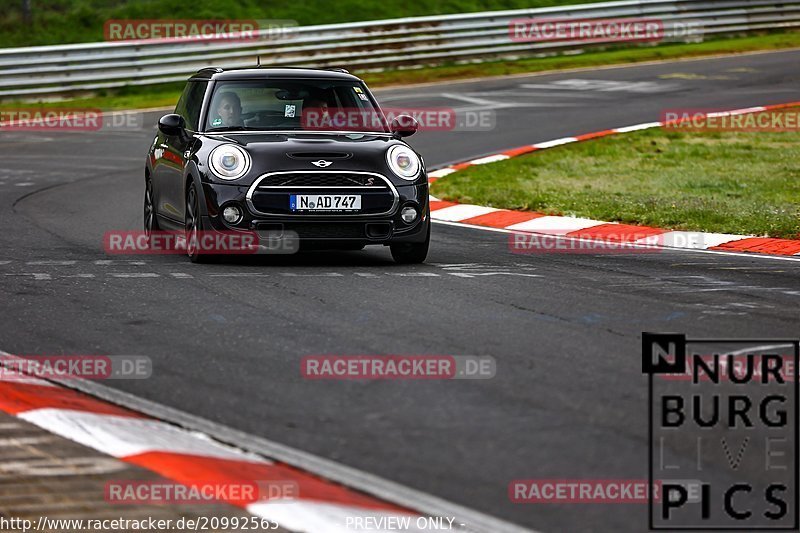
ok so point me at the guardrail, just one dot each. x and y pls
(406, 42)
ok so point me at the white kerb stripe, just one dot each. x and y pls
(458, 212)
(121, 436)
(696, 240)
(745, 111)
(555, 142)
(555, 225)
(317, 517)
(13, 376)
(637, 127)
(489, 159)
(442, 172)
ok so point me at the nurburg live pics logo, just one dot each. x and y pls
(723, 433)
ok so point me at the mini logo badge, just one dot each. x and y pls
(322, 163)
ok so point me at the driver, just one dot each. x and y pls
(228, 110)
(315, 114)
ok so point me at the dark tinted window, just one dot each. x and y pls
(191, 102)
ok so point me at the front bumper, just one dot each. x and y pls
(385, 228)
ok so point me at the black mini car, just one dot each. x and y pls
(305, 152)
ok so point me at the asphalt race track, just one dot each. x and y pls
(226, 339)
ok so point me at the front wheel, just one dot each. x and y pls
(194, 226)
(150, 220)
(411, 252)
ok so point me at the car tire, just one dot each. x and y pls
(150, 219)
(407, 253)
(193, 223)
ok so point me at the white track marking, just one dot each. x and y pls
(637, 127)
(489, 159)
(743, 111)
(756, 349)
(474, 100)
(110, 262)
(441, 173)
(320, 275)
(461, 212)
(691, 239)
(37, 276)
(551, 225)
(414, 274)
(123, 436)
(51, 263)
(239, 275)
(555, 142)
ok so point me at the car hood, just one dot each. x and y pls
(272, 152)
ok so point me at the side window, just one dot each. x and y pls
(191, 102)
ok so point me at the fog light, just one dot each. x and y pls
(232, 214)
(408, 214)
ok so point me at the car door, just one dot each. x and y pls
(168, 171)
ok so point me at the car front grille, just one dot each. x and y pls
(311, 179)
(271, 194)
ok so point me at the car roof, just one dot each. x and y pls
(216, 73)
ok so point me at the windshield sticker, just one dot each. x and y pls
(216, 122)
(290, 110)
(362, 96)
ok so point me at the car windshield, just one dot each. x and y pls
(297, 104)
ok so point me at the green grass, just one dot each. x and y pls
(167, 95)
(728, 182)
(74, 21)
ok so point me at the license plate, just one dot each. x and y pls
(325, 202)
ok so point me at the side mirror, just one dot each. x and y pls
(171, 125)
(404, 125)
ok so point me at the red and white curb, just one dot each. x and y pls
(588, 229)
(187, 456)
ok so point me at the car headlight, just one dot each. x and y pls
(403, 162)
(229, 162)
